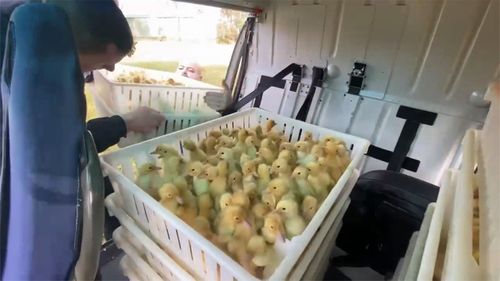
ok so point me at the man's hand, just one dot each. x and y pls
(219, 100)
(143, 120)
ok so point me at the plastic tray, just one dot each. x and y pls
(181, 240)
(183, 106)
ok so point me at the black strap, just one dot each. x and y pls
(385, 155)
(317, 80)
(263, 85)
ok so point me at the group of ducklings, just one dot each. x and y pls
(140, 77)
(246, 189)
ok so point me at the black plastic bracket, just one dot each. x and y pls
(398, 159)
(357, 78)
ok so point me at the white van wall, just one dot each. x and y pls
(425, 54)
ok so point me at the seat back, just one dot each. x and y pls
(42, 93)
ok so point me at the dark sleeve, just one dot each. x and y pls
(107, 131)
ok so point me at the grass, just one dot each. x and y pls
(212, 74)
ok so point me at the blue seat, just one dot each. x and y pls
(42, 91)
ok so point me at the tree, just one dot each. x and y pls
(229, 26)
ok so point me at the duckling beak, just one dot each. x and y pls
(281, 237)
(156, 168)
(154, 152)
(179, 200)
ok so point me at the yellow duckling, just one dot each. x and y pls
(240, 143)
(287, 146)
(170, 197)
(249, 171)
(252, 144)
(240, 198)
(300, 175)
(235, 181)
(230, 218)
(273, 229)
(264, 177)
(281, 168)
(215, 134)
(259, 212)
(314, 179)
(171, 159)
(225, 200)
(289, 156)
(218, 185)
(205, 206)
(269, 200)
(294, 223)
(266, 154)
(149, 179)
(208, 145)
(237, 248)
(195, 153)
(278, 188)
(264, 255)
(224, 141)
(309, 207)
(227, 154)
(200, 184)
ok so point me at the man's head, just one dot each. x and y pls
(101, 32)
(189, 69)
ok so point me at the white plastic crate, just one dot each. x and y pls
(131, 235)
(318, 249)
(191, 249)
(183, 106)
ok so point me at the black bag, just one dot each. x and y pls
(386, 208)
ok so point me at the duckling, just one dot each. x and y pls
(230, 218)
(237, 248)
(224, 141)
(315, 169)
(215, 134)
(225, 200)
(300, 175)
(277, 187)
(269, 125)
(259, 211)
(240, 143)
(309, 207)
(273, 229)
(264, 254)
(187, 213)
(149, 179)
(257, 133)
(328, 138)
(252, 144)
(235, 181)
(218, 186)
(320, 189)
(268, 143)
(208, 145)
(266, 154)
(287, 146)
(226, 131)
(294, 223)
(289, 156)
(281, 168)
(200, 184)
(170, 197)
(264, 176)
(308, 137)
(205, 206)
(195, 153)
(269, 200)
(240, 198)
(303, 152)
(202, 226)
(249, 178)
(227, 154)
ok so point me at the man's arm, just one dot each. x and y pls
(107, 131)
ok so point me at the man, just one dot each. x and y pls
(103, 38)
(190, 70)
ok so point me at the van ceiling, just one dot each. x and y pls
(254, 6)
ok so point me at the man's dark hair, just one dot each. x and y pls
(97, 23)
